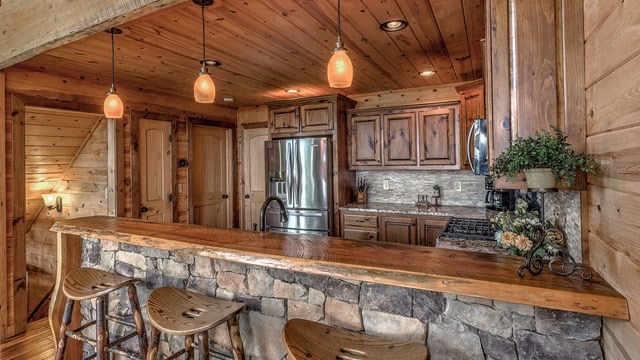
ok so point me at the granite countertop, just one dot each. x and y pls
(485, 246)
(411, 209)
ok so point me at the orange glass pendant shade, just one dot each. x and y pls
(113, 107)
(340, 70)
(204, 90)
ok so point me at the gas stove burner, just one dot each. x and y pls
(470, 229)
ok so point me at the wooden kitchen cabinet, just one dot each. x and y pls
(407, 138)
(399, 139)
(284, 120)
(360, 226)
(429, 230)
(316, 117)
(366, 147)
(471, 108)
(437, 136)
(398, 229)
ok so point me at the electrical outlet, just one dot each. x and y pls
(179, 188)
(385, 184)
(458, 186)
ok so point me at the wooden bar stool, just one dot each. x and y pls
(86, 284)
(306, 339)
(185, 313)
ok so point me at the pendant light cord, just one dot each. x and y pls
(113, 63)
(339, 42)
(204, 57)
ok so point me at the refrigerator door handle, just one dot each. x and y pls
(475, 123)
(289, 175)
(298, 172)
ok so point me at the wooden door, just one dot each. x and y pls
(316, 117)
(253, 175)
(400, 230)
(429, 230)
(365, 141)
(209, 176)
(437, 140)
(154, 148)
(400, 137)
(284, 120)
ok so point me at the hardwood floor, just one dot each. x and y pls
(35, 344)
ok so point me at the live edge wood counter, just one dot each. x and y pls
(482, 275)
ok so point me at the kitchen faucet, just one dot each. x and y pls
(263, 213)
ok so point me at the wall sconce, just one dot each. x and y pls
(52, 201)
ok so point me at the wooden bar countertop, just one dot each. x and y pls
(488, 276)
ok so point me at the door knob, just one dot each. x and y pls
(144, 209)
(246, 196)
(225, 196)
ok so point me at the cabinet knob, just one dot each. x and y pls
(144, 209)
(225, 196)
(246, 196)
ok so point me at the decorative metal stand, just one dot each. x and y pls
(564, 264)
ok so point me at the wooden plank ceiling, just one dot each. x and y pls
(267, 46)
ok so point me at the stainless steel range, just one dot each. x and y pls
(469, 229)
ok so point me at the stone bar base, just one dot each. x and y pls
(453, 327)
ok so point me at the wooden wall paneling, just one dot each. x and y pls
(182, 174)
(407, 97)
(133, 172)
(595, 12)
(5, 242)
(475, 28)
(498, 93)
(91, 90)
(608, 48)
(18, 310)
(610, 345)
(570, 75)
(24, 38)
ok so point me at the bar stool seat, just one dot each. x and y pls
(186, 313)
(306, 339)
(87, 284)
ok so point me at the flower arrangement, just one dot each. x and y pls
(515, 231)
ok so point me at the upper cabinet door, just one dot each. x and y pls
(316, 117)
(400, 139)
(437, 140)
(365, 141)
(284, 120)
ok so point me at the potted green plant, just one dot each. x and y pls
(546, 153)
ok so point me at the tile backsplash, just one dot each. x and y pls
(405, 186)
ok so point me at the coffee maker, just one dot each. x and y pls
(498, 199)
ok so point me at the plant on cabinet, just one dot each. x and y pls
(545, 154)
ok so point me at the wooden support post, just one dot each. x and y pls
(115, 168)
(4, 293)
(69, 253)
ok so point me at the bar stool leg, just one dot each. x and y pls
(66, 320)
(101, 330)
(152, 353)
(236, 340)
(188, 346)
(203, 348)
(137, 318)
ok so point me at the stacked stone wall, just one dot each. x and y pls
(452, 327)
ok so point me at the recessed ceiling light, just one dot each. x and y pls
(228, 99)
(427, 73)
(292, 91)
(393, 25)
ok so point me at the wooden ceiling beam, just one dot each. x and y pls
(29, 28)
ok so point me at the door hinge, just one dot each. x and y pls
(170, 197)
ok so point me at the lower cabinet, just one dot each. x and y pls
(420, 230)
(398, 229)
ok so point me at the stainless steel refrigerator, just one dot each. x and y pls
(299, 171)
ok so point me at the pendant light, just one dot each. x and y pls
(339, 69)
(113, 107)
(204, 90)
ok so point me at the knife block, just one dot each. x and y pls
(361, 197)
